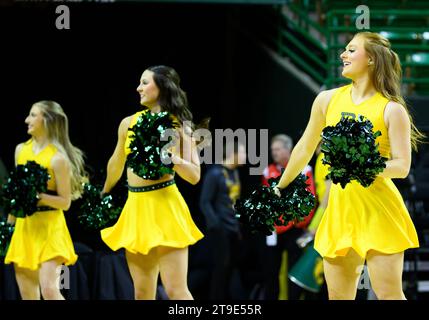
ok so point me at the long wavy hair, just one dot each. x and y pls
(386, 75)
(172, 98)
(57, 128)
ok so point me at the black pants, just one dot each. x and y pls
(225, 252)
(272, 260)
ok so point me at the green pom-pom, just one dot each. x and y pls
(145, 158)
(97, 212)
(263, 209)
(6, 231)
(351, 151)
(20, 191)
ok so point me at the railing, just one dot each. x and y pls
(296, 31)
(405, 49)
(301, 27)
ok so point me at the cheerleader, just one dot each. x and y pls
(360, 223)
(41, 242)
(155, 226)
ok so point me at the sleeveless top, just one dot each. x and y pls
(341, 105)
(44, 158)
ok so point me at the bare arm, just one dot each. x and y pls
(306, 146)
(116, 164)
(62, 200)
(399, 130)
(11, 219)
(187, 165)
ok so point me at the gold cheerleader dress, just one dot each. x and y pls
(43, 235)
(373, 218)
(156, 215)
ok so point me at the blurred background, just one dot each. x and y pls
(251, 64)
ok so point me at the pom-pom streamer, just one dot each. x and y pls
(147, 154)
(263, 209)
(20, 191)
(351, 152)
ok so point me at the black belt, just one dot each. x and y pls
(45, 208)
(152, 187)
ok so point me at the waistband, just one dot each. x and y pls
(45, 208)
(152, 187)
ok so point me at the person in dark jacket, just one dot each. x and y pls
(220, 190)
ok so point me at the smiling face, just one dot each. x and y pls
(148, 90)
(35, 121)
(356, 61)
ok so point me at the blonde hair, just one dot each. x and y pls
(386, 75)
(57, 127)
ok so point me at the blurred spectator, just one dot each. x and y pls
(220, 189)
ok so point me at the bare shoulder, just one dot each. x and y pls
(395, 111)
(323, 98)
(327, 94)
(395, 107)
(125, 124)
(18, 148)
(17, 151)
(59, 161)
(126, 121)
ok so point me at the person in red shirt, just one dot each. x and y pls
(284, 238)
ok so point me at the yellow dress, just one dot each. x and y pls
(320, 172)
(152, 218)
(373, 218)
(43, 235)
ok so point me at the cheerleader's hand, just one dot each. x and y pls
(277, 191)
(11, 219)
(39, 197)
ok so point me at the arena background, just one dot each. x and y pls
(230, 57)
